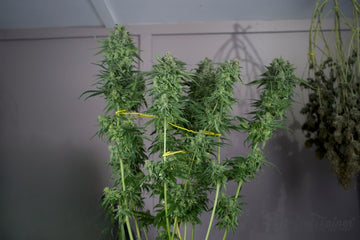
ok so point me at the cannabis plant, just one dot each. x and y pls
(333, 111)
(189, 121)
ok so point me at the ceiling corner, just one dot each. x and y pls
(105, 12)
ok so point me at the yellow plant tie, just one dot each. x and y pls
(192, 131)
(311, 54)
(182, 128)
(173, 153)
(124, 112)
(212, 134)
(133, 113)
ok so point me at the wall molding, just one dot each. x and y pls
(248, 27)
(159, 29)
(51, 33)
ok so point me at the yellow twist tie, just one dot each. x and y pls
(192, 131)
(311, 54)
(133, 113)
(173, 153)
(212, 133)
(124, 112)
(182, 128)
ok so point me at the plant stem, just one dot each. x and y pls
(189, 172)
(129, 228)
(124, 189)
(313, 40)
(235, 199)
(216, 195)
(238, 189)
(174, 228)
(357, 34)
(185, 231)
(225, 233)
(145, 234)
(192, 231)
(165, 186)
(178, 230)
(137, 228)
(166, 211)
(218, 152)
(122, 233)
(213, 211)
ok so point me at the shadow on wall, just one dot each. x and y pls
(239, 46)
(49, 191)
(302, 196)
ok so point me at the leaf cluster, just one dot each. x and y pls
(120, 84)
(211, 96)
(277, 84)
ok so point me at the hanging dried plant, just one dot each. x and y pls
(333, 112)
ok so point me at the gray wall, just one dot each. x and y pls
(52, 174)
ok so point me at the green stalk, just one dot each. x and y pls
(313, 40)
(235, 199)
(124, 189)
(122, 233)
(213, 211)
(225, 233)
(218, 152)
(185, 188)
(129, 228)
(145, 234)
(340, 51)
(193, 231)
(127, 222)
(137, 228)
(356, 33)
(174, 228)
(238, 189)
(185, 231)
(187, 179)
(216, 198)
(165, 186)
